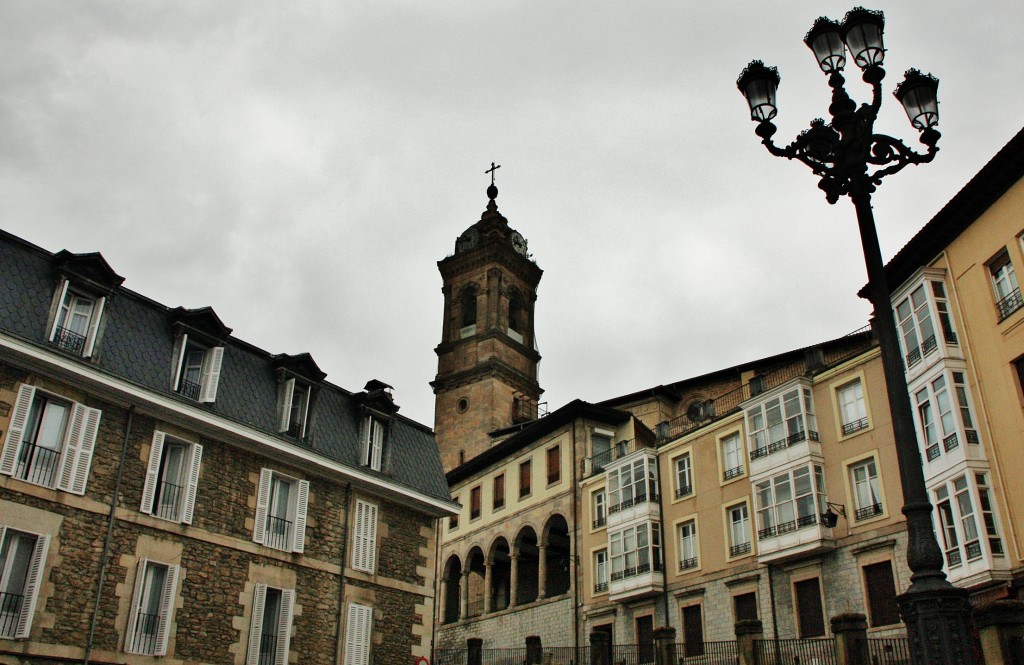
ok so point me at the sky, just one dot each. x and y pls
(302, 166)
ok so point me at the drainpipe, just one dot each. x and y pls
(341, 574)
(575, 554)
(111, 520)
(438, 567)
(775, 614)
(664, 539)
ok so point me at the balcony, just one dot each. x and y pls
(803, 536)
(799, 446)
(599, 462)
(867, 512)
(688, 563)
(636, 582)
(1009, 304)
(69, 340)
(739, 549)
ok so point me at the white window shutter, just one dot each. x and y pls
(357, 641)
(371, 537)
(178, 360)
(301, 503)
(262, 505)
(193, 483)
(133, 615)
(376, 442)
(156, 451)
(78, 447)
(307, 397)
(259, 599)
(209, 377)
(94, 326)
(284, 626)
(285, 393)
(167, 597)
(33, 580)
(60, 304)
(364, 549)
(357, 544)
(16, 429)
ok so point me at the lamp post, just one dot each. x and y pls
(851, 160)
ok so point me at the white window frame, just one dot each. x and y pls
(689, 547)
(682, 467)
(632, 483)
(30, 585)
(865, 489)
(731, 456)
(142, 598)
(943, 414)
(298, 498)
(601, 571)
(781, 420)
(358, 634)
(78, 440)
(283, 629)
(373, 436)
(70, 298)
(599, 509)
(782, 508)
(177, 508)
(853, 413)
(208, 374)
(293, 407)
(740, 542)
(364, 545)
(1004, 284)
(635, 550)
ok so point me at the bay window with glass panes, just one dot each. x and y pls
(632, 483)
(781, 421)
(967, 523)
(790, 500)
(923, 320)
(635, 550)
(944, 415)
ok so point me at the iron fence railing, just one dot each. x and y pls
(10, 612)
(278, 533)
(169, 501)
(69, 340)
(889, 650)
(37, 464)
(705, 653)
(795, 652)
(144, 639)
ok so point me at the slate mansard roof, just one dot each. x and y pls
(137, 345)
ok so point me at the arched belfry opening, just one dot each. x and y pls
(467, 309)
(518, 316)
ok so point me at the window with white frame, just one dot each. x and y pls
(172, 477)
(853, 413)
(149, 624)
(1004, 283)
(600, 571)
(632, 483)
(790, 500)
(942, 415)
(915, 319)
(196, 372)
(364, 546)
(22, 561)
(781, 421)
(732, 456)
(942, 309)
(358, 634)
(77, 321)
(688, 551)
(281, 512)
(635, 550)
(867, 499)
(599, 506)
(50, 441)
(957, 504)
(373, 442)
(739, 529)
(684, 475)
(292, 408)
(271, 626)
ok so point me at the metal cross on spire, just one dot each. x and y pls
(492, 170)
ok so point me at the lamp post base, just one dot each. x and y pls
(938, 626)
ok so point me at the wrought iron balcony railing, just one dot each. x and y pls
(1010, 304)
(686, 564)
(739, 548)
(734, 472)
(10, 612)
(268, 649)
(69, 340)
(855, 426)
(868, 511)
(146, 628)
(37, 464)
(782, 444)
(278, 534)
(684, 490)
(168, 503)
(189, 389)
(932, 452)
(950, 442)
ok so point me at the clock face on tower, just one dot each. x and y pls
(519, 242)
(467, 240)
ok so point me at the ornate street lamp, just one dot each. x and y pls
(851, 160)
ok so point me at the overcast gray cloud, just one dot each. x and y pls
(301, 167)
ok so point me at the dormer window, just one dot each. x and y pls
(197, 369)
(373, 442)
(77, 322)
(293, 408)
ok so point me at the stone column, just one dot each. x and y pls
(665, 645)
(747, 632)
(542, 571)
(601, 648)
(513, 580)
(534, 650)
(851, 631)
(1001, 627)
(474, 651)
(487, 587)
(464, 592)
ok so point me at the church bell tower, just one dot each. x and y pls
(487, 360)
